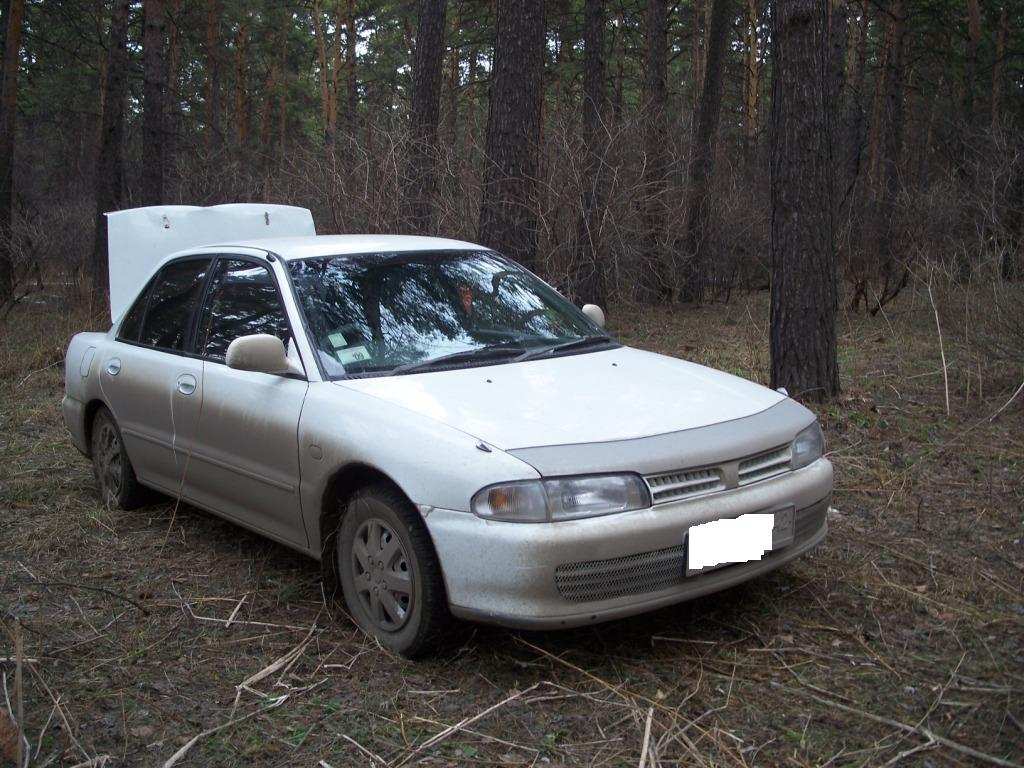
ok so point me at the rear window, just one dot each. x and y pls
(174, 296)
(132, 323)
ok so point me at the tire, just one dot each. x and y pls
(115, 477)
(389, 573)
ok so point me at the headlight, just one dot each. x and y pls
(562, 498)
(808, 446)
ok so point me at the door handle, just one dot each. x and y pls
(114, 366)
(186, 384)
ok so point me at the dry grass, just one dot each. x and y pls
(898, 641)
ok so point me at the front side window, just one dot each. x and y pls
(394, 312)
(242, 300)
(173, 299)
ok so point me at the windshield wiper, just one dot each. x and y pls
(497, 350)
(562, 346)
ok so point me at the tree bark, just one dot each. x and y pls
(804, 292)
(619, 54)
(653, 282)
(241, 92)
(890, 161)
(971, 59)
(110, 163)
(697, 49)
(876, 124)
(702, 166)
(213, 135)
(323, 73)
(589, 281)
(154, 103)
(508, 219)
(853, 106)
(999, 66)
(452, 87)
(751, 82)
(172, 99)
(352, 90)
(427, 62)
(8, 121)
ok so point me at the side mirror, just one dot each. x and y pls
(595, 313)
(261, 353)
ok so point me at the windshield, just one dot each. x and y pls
(378, 313)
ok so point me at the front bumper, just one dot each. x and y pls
(505, 573)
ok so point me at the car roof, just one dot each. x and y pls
(290, 248)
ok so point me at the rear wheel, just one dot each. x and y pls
(389, 572)
(115, 476)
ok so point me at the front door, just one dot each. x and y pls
(243, 458)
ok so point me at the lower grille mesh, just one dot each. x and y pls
(651, 571)
(629, 575)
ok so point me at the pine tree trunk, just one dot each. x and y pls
(172, 100)
(998, 67)
(8, 121)
(451, 115)
(213, 135)
(241, 92)
(853, 107)
(351, 36)
(697, 50)
(267, 109)
(838, 34)
(971, 58)
(589, 282)
(154, 106)
(653, 283)
(890, 159)
(110, 162)
(619, 54)
(428, 59)
(804, 293)
(508, 219)
(323, 74)
(751, 82)
(702, 166)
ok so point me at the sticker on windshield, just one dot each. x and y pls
(354, 355)
(337, 340)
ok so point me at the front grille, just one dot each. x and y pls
(764, 465)
(672, 486)
(629, 575)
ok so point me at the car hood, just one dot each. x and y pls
(615, 394)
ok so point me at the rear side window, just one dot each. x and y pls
(242, 300)
(132, 323)
(173, 298)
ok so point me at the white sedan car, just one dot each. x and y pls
(442, 430)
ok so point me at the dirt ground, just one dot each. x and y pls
(166, 633)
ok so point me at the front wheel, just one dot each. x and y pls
(389, 572)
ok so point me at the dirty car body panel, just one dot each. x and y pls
(266, 450)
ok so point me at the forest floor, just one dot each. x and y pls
(899, 640)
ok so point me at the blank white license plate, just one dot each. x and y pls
(737, 539)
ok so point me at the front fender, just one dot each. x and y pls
(434, 464)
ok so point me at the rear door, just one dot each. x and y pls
(244, 455)
(148, 380)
